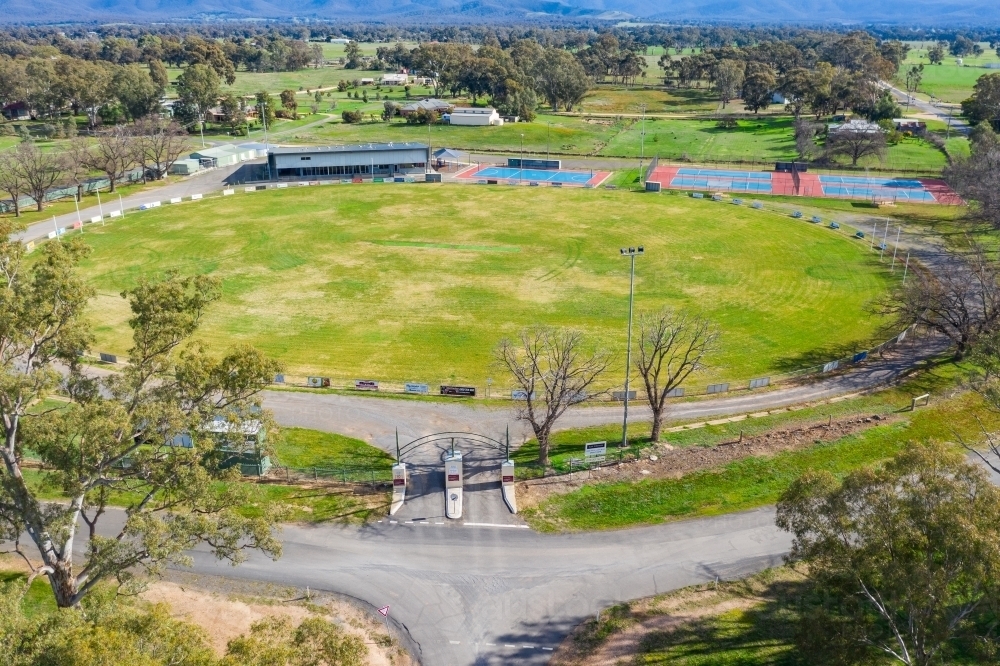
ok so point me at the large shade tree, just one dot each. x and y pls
(119, 439)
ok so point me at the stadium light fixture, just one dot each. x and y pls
(631, 253)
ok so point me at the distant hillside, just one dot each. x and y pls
(936, 12)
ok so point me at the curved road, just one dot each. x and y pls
(466, 593)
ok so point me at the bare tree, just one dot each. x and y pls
(960, 299)
(552, 370)
(158, 144)
(112, 154)
(12, 180)
(74, 159)
(856, 143)
(672, 346)
(40, 171)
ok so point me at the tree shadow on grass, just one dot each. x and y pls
(758, 628)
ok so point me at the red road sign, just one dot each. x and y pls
(384, 611)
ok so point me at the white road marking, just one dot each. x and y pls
(548, 649)
(455, 642)
(508, 645)
(525, 527)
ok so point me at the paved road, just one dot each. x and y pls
(944, 114)
(199, 183)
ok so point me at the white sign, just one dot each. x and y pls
(281, 185)
(413, 387)
(521, 394)
(384, 611)
(195, 197)
(249, 189)
(226, 193)
(95, 219)
(115, 213)
(595, 451)
(175, 199)
(831, 366)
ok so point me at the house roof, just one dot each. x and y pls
(856, 125)
(217, 151)
(352, 148)
(447, 153)
(429, 104)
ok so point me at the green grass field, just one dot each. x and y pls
(407, 282)
(949, 81)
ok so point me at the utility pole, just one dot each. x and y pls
(907, 266)
(892, 269)
(631, 253)
(520, 171)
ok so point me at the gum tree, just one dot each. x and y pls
(113, 440)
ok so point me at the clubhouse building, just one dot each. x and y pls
(370, 159)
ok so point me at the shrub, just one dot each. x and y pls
(352, 116)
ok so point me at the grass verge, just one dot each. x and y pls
(753, 481)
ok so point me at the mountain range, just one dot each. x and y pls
(917, 12)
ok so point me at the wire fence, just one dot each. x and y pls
(353, 474)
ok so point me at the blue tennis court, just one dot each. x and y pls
(720, 173)
(875, 188)
(546, 175)
(720, 179)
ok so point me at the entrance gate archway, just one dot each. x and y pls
(458, 472)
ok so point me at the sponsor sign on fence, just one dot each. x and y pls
(415, 387)
(226, 193)
(109, 358)
(115, 213)
(521, 394)
(279, 378)
(860, 356)
(469, 391)
(195, 197)
(718, 388)
(620, 395)
(675, 393)
(760, 383)
(317, 382)
(249, 189)
(365, 385)
(595, 451)
(831, 366)
(96, 219)
(282, 185)
(174, 200)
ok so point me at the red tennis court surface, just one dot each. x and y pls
(871, 188)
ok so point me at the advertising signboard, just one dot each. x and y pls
(595, 451)
(414, 387)
(469, 391)
(365, 385)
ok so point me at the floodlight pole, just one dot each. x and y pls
(885, 238)
(631, 253)
(642, 143)
(56, 227)
(520, 171)
(871, 243)
(907, 266)
(100, 207)
(892, 269)
(121, 206)
(548, 133)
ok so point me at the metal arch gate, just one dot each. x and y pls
(453, 472)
